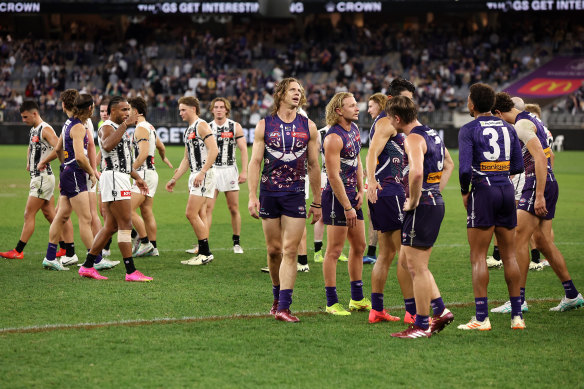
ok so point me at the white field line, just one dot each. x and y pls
(193, 319)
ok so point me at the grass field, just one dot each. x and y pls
(208, 326)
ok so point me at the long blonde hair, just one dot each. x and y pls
(332, 117)
(280, 92)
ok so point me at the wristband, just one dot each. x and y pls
(348, 209)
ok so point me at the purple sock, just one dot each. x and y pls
(423, 322)
(285, 299)
(571, 291)
(437, 306)
(482, 308)
(522, 295)
(276, 291)
(357, 290)
(377, 301)
(98, 258)
(331, 295)
(51, 251)
(410, 306)
(515, 306)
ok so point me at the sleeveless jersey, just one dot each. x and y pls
(39, 149)
(120, 158)
(149, 161)
(285, 156)
(389, 168)
(349, 156)
(433, 165)
(489, 151)
(68, 141)
(226, 142)
(528, 160)
(196, 149)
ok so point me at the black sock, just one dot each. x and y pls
(496, 253)
(107, 245)
(303, 259)
(204, 247)
(371, 251)
(153, 243)
(70, 249)
(62, 244)
(535, 255)
(134, 233)
(20, 246)
(317, 246)
(129, 263)
(144, 240)
(235, 239)
(89, 260)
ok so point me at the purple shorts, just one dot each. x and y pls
(291, 205)
(421, 226)
(72, 181)
(491, 206)
(550, 193)
(386, 214)
(333, 213)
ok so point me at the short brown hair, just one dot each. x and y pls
(402, 107)
(191, 102)
(224, 100)
(332, 117)
(503, 103)
(482, 96)
(378, 98)
(139, 104)
(280, 92)
(533, 108)
(68, 98)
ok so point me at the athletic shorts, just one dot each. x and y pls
(291, 205)
(226, 178)
(89, 188)
(207, 188)
(421, 226)
(386, 214)
(73, 181)
(518, 182)
(333, 213)
(491, 206)
(115, 186)
(151, 178)
(42, 187)
(551, 198)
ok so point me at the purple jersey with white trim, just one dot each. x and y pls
(285, 156)
(433, 165)
(528, 160)
(68, 141)
(349, 156)
(489, 152)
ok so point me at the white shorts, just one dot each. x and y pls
(323, 179)
(115, 186)
(518, 182)
(42, 187)
(151, 178)
(226, 178)
(89, 188)
(207, 189)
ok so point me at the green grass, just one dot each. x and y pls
(219, 336)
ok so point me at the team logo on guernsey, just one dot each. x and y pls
(192, 135)
(333, 214)
(35, 139)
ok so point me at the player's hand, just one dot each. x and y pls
(410, 205)
(359, 198)
(242, 177)
(372, 191)
(142, 186)
(539, 206)
(98, 175)
(132, 119)
(167, 162)
(40, 166)
(253, 206)
(465, 200)
(93, 180)
(316, 214)
(199, 178)
(170, 185)
(351, 217)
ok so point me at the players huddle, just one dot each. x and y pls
(407, 167)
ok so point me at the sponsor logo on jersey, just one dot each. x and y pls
(227, 134)
(434, 178)
(192, 135)
(126, 193)
(301, 135)
(502, 166)
(35, 139)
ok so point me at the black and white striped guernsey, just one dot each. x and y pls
(39, 149)
(196, 149)
(120, 158)
(226, 142)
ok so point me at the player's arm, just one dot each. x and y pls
(253, 169)
(383, 131)
(142, 141)
(78, 133)
(526, 132)
(242, 146)
(91, 152)
(28, 158)
(314, 173)
(110, 137)
(54, 154)
(446, 170)
(415, 148)
(333, 144)
(206, 134)
(162, 152)
(360, 187)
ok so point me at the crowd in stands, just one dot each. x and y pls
(164, 63)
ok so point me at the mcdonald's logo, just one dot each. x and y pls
(550, 86)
